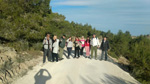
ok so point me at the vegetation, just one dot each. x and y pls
(24, 23)
(135, 50)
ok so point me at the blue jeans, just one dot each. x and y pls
(102, 56)
(69, 51)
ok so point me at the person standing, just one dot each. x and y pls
(94, 45)
(62, 43)
(55, 49)
(83, 45)
(69, 47)
(77, 46)
(104, 47)
(47, 43)
(87, 47)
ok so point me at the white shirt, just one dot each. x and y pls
(95, 42)
(69, 44)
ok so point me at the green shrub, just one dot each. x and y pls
(20, 59)
(113, 54)
(19, 45)
(37, 46)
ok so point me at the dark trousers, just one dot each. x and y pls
(55, 56)
(81, 51)
(69, 51)
(102, 56)
(47, 53)
(77, 51)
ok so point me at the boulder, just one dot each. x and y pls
(123, 60)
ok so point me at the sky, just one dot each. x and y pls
(104, 15)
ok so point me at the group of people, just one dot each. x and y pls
(54, 48)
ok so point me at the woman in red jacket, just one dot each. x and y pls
(87, 47)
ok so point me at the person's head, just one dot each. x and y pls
(70, 38)
(88, 38)
(105, 38)
(77, 38)
(55, 37)
(82, 37)
(94, 35)
(64, 36)
(48, 36)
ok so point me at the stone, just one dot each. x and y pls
(123, 60)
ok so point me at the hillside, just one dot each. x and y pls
(24, 24)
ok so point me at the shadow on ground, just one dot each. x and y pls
(41, 78)
(123, 67)
(108, 79)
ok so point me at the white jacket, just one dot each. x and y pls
(45, 43)
(56, 46)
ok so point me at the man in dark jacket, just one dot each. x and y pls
(62, 44)
(104, 47)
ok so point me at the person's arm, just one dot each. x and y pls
(54, 44)
(49, 76)
(91, 42)
(98, 44)
(51, 45)
(84, 42)
(44, 41)
(80, 43)
(58, 41)
(37, 75)
(67, 40)
(101, 45)
(71, 44)
(108, 45)
(75, 42)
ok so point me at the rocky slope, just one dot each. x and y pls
(13, 64)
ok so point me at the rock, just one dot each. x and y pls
(23, 66)
(114, 59)
(123, 60)
(7, 54)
